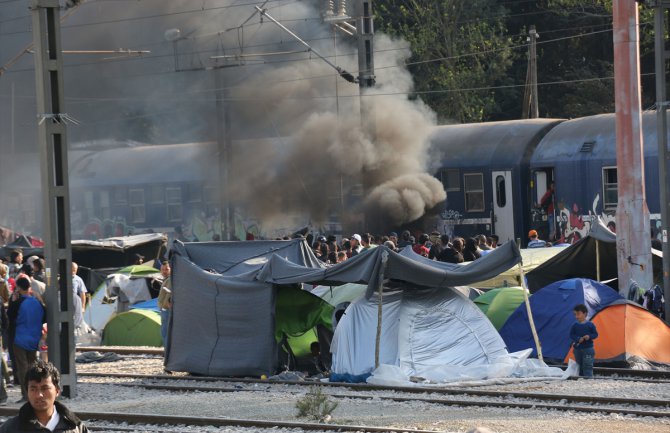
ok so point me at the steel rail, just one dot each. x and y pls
(602, 371)
(162, 420)
(494, 394)
(121, 350)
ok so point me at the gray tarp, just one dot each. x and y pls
(223, 295)
(579, 260)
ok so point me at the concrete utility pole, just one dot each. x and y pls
(366, 63)
(55, 188)
(534, 108)
(632, 215)
(661, 55)
(530, 104)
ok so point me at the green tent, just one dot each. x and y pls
(133, 328)
(297, 312)
(499, 304)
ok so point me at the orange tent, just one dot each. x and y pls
(629, 334)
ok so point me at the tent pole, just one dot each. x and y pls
(530, 313)
(597, 260)
(380, 287)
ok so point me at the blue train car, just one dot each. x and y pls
(485, 169)
(579, 157)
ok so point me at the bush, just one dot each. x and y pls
(315, 405)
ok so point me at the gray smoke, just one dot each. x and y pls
(300, 145)
(327, 151)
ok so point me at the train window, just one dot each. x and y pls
(156, 194)
(450, 179)
(105, 210)
(610, 188)
(194, 193)
(137, 205)
(173, 202)
(120, 195)
(501, 198)
(474, 192)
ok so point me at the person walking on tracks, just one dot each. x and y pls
(42, 412)
(582, 334)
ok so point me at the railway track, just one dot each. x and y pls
(481, 398)
(164, 422)
(617, 373)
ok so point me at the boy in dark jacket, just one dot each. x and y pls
(582, 334)
(43, 412)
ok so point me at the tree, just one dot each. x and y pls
(460, 49)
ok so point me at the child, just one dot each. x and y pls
(582, 335)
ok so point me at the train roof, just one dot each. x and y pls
(592, 138)
(189, 162)
(490, 144)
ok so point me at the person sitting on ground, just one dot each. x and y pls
(535, 241)
(470, 250)
(42, 412)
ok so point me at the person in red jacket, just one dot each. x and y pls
(547, 203)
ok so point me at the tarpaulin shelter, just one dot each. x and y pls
(498, 304)
(631, 336)
(114, 252)
(138, 327)
(552, 308)
(422, 330)
(130, 284)
(591, 257)
(224, 295)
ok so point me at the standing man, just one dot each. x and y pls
(27, 315)
(165, 301)
(78, 296)
(42, 412)
(547, 203)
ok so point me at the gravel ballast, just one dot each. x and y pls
(277, 402)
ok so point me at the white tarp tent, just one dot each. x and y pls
(436, 334)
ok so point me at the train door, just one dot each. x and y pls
(503, 205)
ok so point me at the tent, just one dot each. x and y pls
(531, 258)
(298, 312)
(133, 328)
(631, 336)
(423, 330)
(104, 253)
(130, 284)
(579, 260)
(225, 293)
(498, 304)
(552, 309)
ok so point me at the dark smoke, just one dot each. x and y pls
(320, 149)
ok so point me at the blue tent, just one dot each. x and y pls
(552, 308)
(151, 304)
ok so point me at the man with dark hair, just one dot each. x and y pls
(42, 412)
(26, 316)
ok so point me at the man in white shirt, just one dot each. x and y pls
(42, 411)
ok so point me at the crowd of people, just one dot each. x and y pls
(23, 316)
(435, 246)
